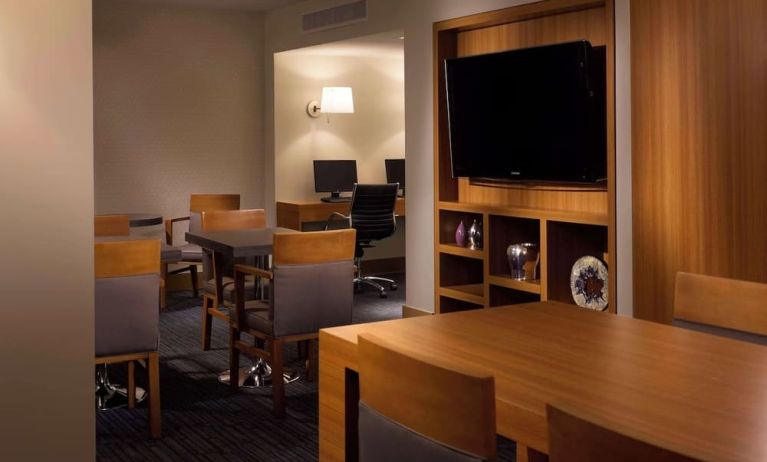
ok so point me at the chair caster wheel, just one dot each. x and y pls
(393, 287)
(382, 294)
(357, 288)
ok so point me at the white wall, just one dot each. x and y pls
(46, 186)
(376, 130)
(178, 105)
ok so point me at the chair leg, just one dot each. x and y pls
(163, 285)
(312, 362)
(155, 419)
(208, 303)
(193, 273)
(278, 382)
(234, 359)
(381, 290)
(131, 384)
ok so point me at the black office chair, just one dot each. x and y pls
(372, 215)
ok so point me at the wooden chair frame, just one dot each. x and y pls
(721, 302)
(220, 220)
(576, 435)
(131, 258)
(199, 203)
(288, 249)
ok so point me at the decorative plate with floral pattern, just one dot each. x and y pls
(588, 283)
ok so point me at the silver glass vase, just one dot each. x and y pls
(475, 235)
(523, 261)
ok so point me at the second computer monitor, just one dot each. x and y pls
(334, 176)
(395, 172)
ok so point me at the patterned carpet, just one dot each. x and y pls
(203, 420)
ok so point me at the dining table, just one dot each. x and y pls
(235, 244)
(699, 393)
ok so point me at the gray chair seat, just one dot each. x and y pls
(250, 286)
(256, 316)
(191, 252)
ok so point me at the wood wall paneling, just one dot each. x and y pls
(699, 112)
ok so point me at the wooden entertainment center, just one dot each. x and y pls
(567, 222)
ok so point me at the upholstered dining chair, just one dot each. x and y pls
(111, 225)
(372, 214)
(721, 306)
(191, 254)
(126, 313)
(311, 288)
(400, 419)
(576, 435)
(222, 220)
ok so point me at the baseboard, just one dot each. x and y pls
(410, 312)
(383, 266)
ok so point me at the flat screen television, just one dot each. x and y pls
(532, 115)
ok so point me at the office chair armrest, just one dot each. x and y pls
(332, 218)
(169, 228)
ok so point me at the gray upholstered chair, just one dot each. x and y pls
(727, 307)
(576, 435)
(400, 419)
(127, 314)
(191, 254)
(222, 220)
(311, 288)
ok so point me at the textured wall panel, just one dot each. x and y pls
(178, 106)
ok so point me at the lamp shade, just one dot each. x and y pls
(337, 100)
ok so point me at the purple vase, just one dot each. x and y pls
(460, 235)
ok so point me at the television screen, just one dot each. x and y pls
(534, 114)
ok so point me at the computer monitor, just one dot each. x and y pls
(334, 176)
(395, 172)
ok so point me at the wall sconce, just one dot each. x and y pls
(335, 100)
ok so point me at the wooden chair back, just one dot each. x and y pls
(220, 220)
(111, 225)
(203, 202)
(459, 413)
(721, 302)
(313, 247)
(127, 258)
(576, 436)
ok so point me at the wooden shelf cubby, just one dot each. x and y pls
(565, 221)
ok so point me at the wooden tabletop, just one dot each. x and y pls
(697, 392)
(138, 220)
(238, 243)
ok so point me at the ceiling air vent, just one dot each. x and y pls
(342, 15)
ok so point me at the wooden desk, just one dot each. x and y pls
(293, 214)
(698, 392)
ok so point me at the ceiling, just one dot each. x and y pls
(251, 5)
(384, 45)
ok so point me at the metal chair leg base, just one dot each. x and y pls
(113, 396)
(259, 375)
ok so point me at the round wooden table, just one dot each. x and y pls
(139, 220)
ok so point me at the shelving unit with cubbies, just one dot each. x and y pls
(565, 221)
